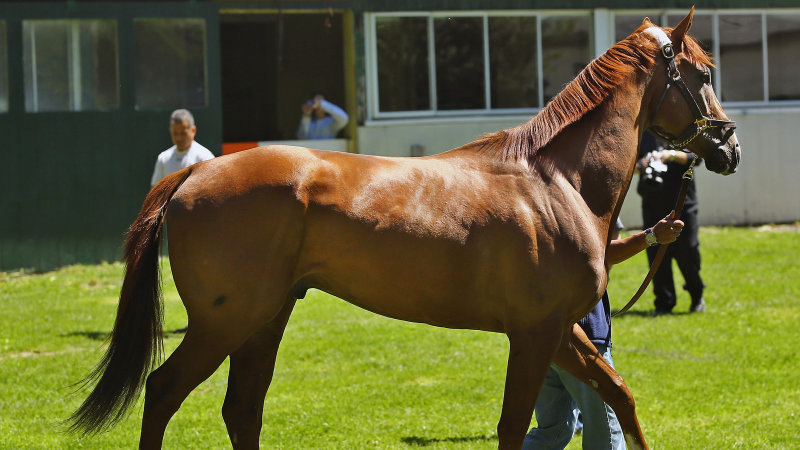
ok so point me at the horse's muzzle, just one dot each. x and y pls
(727, 155)
(736, 156)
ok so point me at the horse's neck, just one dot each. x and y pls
(597, 155)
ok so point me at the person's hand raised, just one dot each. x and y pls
(307, 107)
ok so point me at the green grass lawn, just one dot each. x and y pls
(347, 378)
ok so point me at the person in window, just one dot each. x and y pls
(321, 119)
(185, 152)
(566, 405)
(660, 177)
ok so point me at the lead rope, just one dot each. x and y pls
(662, 249)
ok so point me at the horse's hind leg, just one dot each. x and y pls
(579, 357)
(195, 359)
(251, 370)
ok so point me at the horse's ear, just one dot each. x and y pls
(646, 22)
(679, 32)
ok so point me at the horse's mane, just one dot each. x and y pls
(590, 88)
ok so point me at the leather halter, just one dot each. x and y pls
(701, 122)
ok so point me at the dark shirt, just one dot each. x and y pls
(597, 324)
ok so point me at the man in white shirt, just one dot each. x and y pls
(185, 152)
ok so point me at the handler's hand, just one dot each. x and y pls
(668, 229)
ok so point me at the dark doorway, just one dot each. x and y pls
(249, 77)
(271, 63)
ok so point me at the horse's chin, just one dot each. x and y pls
(724, 158)
(724, 166)
(730, 170)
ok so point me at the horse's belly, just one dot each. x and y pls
(421, 277)
(408, 301)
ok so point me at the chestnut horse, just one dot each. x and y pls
(506, 234)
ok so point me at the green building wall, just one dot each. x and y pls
(72, 182)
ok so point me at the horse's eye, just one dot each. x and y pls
(706, 77)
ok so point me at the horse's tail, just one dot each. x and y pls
(136, 343)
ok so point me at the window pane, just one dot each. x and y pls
(783, 46)
(701, 29)
(740, 57)
(3, 67)
(512, 55)
(99, 73)
(170, 63)
(70, 65)
(625, 24)
(403, 79)
(45, 62)
(565, 51)
(459, 63)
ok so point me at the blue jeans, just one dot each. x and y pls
(557, 407)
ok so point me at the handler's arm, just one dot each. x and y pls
(666, 231)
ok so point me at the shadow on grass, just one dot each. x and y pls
(103, 335)
(93, 335)
(648, 313)
(417, 441)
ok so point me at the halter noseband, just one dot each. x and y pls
(701, 122)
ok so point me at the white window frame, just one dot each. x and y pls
(371, 56)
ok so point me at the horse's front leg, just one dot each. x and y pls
(531, 350)
(578, 356)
